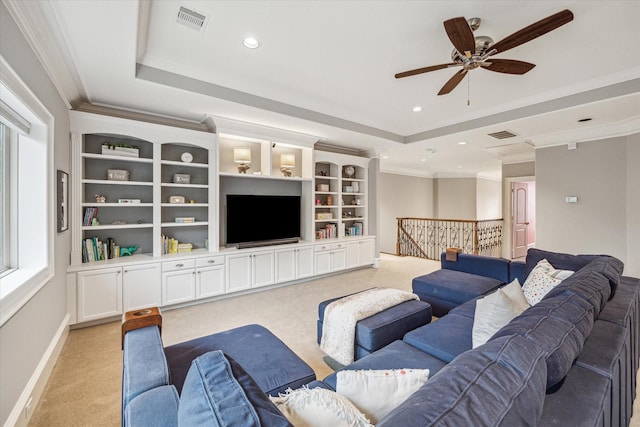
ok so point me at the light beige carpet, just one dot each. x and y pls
(85, 386)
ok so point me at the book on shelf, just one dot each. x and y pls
(329, 231)
(185, 219)
(173, 246)
(89, 215)
(94, 249)
(354, 230)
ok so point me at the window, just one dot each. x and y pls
(27, 193)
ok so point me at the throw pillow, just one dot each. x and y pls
(319, 407)
(515, 294)
(541, 280)
(378, 392)
(492, 313)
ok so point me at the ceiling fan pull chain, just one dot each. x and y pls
(468, 89)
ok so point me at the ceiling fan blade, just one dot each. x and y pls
(460, 35)
(453, 82)
(508, 66)
(425, 70)
(534, 30)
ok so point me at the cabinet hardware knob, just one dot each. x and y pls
(126, 271)
(118, 272)
(179, 265)
(212, 261)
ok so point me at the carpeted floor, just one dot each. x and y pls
(85, 386)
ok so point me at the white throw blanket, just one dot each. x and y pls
(341, 316)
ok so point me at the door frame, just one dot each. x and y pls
(507, 203)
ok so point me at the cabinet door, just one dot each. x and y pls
(178, 286)
(323, 262)
(353, 254)
(285, 265)
(263, 271)
(210, 281)
(99, 293)
(238, 272)
(338, 259)
(367, 248)
(141, 287)
(304, 262)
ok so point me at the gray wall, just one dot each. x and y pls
(488, 199)
(402, 196)
(518, 169)
(25, 337)
(455, 198)
(605, 219)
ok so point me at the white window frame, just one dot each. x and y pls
(19, 284)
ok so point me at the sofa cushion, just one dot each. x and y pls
(501, 383)
(397, 355)
(252, 346)
(451, 285)
(558, 260)
(589, 285)
(218, 392)
(157, 407)
(496, 268)
(444, 338)
(558, 326)
(541, 280)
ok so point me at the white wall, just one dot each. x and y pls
(402, 196)
(25, 339)
(605, 219)
(455, 198)
(488, 199)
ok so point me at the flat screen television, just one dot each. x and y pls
(262, 219)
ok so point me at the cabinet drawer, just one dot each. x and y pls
(330, 246)
(182, 264)
(209, 261)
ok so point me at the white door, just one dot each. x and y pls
(178, 286)
(323, 262)
(141, 286)
(353, 254)
(210, 281)
(285, 265)
(338, 259)
(263, 271)
(519, 218)
(99, 293)
(367, 248)
(239, 272)
(304, 262)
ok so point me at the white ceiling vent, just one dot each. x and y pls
(191, 19)
(503, 134)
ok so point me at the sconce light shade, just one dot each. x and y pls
(242, 155)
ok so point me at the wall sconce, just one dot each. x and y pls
(287, 162)
(242, 156)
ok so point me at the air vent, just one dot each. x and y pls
(503, 134)
(191, 19)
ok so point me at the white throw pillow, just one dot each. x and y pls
(319, 407)
(541, 280)
(492, 313)
(378, 392)
(515, 294)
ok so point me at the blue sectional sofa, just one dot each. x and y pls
(570, 360)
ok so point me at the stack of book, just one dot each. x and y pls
(173, 246)
(354, 230)
(185, 219)
(330, 231)
(89, 215)
(94, 249)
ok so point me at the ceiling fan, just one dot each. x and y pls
(472, 52)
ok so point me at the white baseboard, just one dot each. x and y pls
(37, 382)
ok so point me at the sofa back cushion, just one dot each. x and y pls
(217, 392)
(589, 285)
(557, 260)
(501, 383)
(558, 326)
(497, 268)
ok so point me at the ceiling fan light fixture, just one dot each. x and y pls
(586, 119)
(251, 43)
(462, 143)
(416, 109)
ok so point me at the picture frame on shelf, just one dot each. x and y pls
(62, 197)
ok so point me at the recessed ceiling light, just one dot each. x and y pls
(251, 43)
(462, 143)
(459, 167)
(416, 109)
(384, 156)
(423, 160)
(586, 119)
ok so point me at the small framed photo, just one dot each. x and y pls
(62, 197)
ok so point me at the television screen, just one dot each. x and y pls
(261, 218)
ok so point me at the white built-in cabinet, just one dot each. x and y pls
(140, 209)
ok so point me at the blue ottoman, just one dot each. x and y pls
(385, 327)
(252, 346)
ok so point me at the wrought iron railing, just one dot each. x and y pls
(429, 237)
